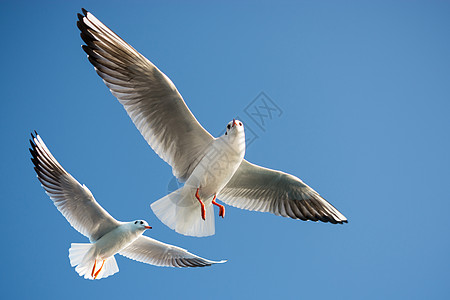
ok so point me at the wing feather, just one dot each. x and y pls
(256, 188)
(151, 251)
(73, 200)
(148, 95)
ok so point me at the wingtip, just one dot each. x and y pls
(32, 145)
(341, 221)
(84, 11)
(34, 135)
(80, 19)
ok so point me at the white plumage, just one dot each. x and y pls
(161, 115)
(108, 236)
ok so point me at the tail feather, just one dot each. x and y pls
(181, 211)
(81, 258)
(110, 267)
(77, 252)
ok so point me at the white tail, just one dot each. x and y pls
(181, 211)
(80, 255)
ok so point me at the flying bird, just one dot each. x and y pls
(211, 168)
(108, 236)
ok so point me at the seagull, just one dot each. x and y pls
(95, 260)
(211, 168)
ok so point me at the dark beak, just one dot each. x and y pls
(234, 123)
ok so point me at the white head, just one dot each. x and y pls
(140, 225)
(234, 127)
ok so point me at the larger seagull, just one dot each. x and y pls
(210, 167)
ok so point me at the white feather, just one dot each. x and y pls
(181, 212)
(109, 236)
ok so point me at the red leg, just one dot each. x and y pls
(202, 205)
(96, 273)
(93, 269)
(222, 208)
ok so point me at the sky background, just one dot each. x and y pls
(363, 89)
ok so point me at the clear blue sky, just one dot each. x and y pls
(365, 95)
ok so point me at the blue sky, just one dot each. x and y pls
(365, 98)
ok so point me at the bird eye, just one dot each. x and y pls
(240, 124)
(228, 126)
(142, 222)
(135, 222)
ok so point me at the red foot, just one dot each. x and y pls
(202, 205)
(93, 269)
(96, 274)
(222, 208)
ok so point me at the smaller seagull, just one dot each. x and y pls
(108, 236)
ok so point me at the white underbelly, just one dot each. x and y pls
(214, 170)
(113, 242)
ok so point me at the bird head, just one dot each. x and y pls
(234, 127)
(141, 224)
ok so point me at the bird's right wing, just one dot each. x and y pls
(151, 251)
(257, 188)
(150, 98)
(73, 200)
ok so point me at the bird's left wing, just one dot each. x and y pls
(256, 188)
(73, 200)
(150, 98)
(151, 251)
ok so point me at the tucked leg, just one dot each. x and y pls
(96, 273)
(93, 269)
(222, 208)
(202, 204)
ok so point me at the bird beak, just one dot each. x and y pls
(148, 227)
(234, 122)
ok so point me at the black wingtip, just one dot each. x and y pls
(85, 48)
(33, 145)
(33, 134)
(32, 149)
(84, 11)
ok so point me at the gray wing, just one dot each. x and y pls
(150, 251)
(73, 200)
(149, 97)
(256, 188)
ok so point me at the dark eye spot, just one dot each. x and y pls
(226, 133)
(135, 222)
(142, 222)
(228, 126)
(240, 124)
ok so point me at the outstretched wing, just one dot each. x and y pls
(256, 188)
(73, 200)
(150, 251)
(149, 97)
